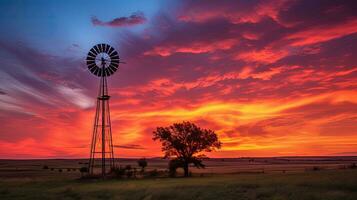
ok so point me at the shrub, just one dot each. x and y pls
(129, 173)
(83, 170)
(45, 167)
(142, 163)
(316, 168)
(119, 172)
(153, 173)
(128, 167)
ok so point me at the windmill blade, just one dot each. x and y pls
(91, 66)
(115, 61)
(103, 47)
(96, 71)
(113, 69)
(107, 48)
(110, 70)
(92, 50)
(116, 57)
(113, 54)
(114, 65)
(96, 49)
(111, 49)
(100, 47)
(93, 69)
(107, 72)
(90, 58)
(104, 72)
(90, 54)
(90, 63)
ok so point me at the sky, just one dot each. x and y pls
(270, 77)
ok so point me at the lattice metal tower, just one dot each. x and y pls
(102, 61)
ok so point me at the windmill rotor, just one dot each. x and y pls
(103, 60)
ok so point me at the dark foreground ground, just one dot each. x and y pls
(318, 178)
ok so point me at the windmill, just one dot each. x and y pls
(102, 61)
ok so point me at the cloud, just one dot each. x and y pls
(2, 92)
(76, 96)
(270, 79)
(266, 55)
(130, 146)
(323, 33)
(352, 153)
(237, 12)
(194, 48)
(134, 19)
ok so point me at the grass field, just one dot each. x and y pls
(327, 183)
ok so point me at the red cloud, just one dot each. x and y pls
(266, 55)
(235, 12)
(323, 33)
(194, 48)
(134, 19)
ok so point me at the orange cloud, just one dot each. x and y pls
(226, 116)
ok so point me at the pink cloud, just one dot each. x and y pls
(323, 33)
(233, 11)
(194, 47)
(134, 19)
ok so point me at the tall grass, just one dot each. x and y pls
(325, 184)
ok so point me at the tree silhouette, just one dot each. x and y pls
(184, 141)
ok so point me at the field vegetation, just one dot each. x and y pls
(244, 178)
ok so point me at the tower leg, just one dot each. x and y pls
(102, 144)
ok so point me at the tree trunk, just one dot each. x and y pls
(185, 168)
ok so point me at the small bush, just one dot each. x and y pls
(153, 173)
(83, 170)
(45, 167)
(59, 170)
(129, 173)
(128, 167)
(119, 172)
(142, 163)
(316, 168)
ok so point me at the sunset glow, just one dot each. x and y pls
(271, 78)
